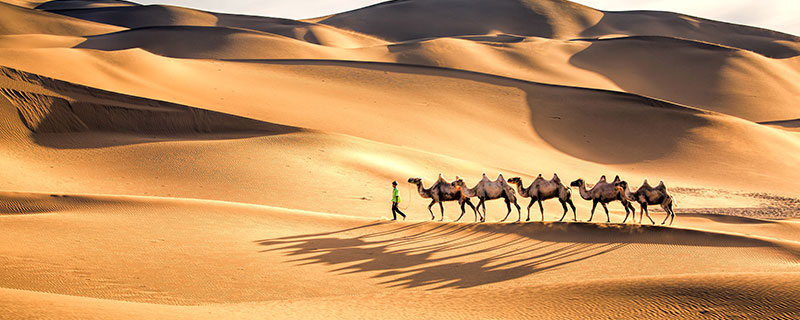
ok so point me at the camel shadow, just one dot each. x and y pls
(456, 255)
(434, 256)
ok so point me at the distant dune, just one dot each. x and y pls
(166, 162)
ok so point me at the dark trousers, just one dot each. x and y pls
(395, 211)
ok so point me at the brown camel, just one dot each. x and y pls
(603, 193)
(442, 191)
(647, 195)
(489, 190)
(541, 189)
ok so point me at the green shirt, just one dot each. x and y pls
(395, 196)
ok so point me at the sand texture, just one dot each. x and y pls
(161, 162)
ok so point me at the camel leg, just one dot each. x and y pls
(508, 205)
(641, 213)
(669, 214)
(608, 217)
(431, 211)
(627, 205)
(473, 209)
(461, 203)
(509, 211)
(633, 210)
(667, 206)
(594, 204)
(647, 212)
(482, 203)
(563, 205)
(626, 216)
(574, 214)
(529, 208)
(441, 207)
(541, 208)
(519, 210)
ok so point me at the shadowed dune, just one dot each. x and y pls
(199, 42)
(78, 108)
(714, 81)
(408, 20)
(161, 16)
(83, 4)
(769, 43)
(18, 20)
(551, 19)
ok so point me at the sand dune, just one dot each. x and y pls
(765, 42)
(408, 20)
(83, 4)
(159, 16)
(420, 262)
(538, 18)
(27, 21)
(165, 162)
(716, 81)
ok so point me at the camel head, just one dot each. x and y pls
(576, 183)
(458, 183)
(415, 180)
(516, 180)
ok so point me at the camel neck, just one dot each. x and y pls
(522, 190)
(584, 193)
(425, 193)
(469, 192)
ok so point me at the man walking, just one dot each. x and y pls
(395, 201)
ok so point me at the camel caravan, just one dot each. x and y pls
(541, 189)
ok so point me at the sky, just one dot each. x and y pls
(779, 15)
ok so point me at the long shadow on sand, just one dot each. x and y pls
(467, 255)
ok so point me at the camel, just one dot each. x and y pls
(647, 195)
(489, 190)
(603, 193)
(541, 189)
(442, 191)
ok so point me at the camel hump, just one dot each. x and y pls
(603, 178)
(661, 185)
(617, 179)
(540, 175)
(556, 178)
(645, 183)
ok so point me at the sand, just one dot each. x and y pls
(165, 162)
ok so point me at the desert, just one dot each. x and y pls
(162, 162)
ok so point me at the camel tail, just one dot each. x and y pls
(672, 202)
